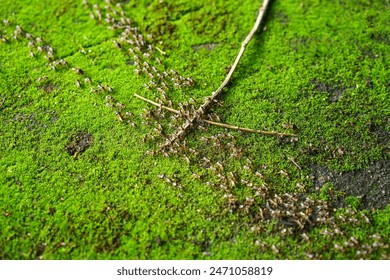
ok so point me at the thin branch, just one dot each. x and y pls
(199, 113)
(250, 129)
(156, 104)
(294, 162)
(160, 50)
(241, 52)
(217, 123)
(2, 102)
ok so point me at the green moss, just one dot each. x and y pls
(353, 202)
(317, 69)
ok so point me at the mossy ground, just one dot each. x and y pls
(321, 66)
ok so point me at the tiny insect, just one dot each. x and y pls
(150, 75)
(78, 71)
(209, 183)
(100, 87)
(63, 62)
(275, 249)
(173, 72)
(117, 45)
(326, 232)
(31, 44)
(146, 64)
(366, 219)
(305, 237)
(15, 37)
(119, 116)
(339, 247)
(48, 58)
(48, 49)
(303, 215)
(309, 200)
(284, 173)
(165, 154)
(288, 196)
(29, 36)
(354, 240)
(190, 81)
(43, 78)
(341, 217)
(273, 202)
(220, 166)
(19, 29)
(120, 105)
(247, 168)
(298, 223)
(3, 38)
(353, 220)
(98, 14)
(187, 159)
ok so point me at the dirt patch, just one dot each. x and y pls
(38, 120)
(162, 29)
(371, 184)
(381, 37)
(48, 88)
(281, 17)
(209, 47)
(79, 143)
(382, 135)
(335, 91)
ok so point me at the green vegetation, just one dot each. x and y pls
(79, 179)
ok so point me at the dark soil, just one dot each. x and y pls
(335, 91)
(371, 184)
(79, 143)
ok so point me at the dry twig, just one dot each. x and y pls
(2, 102)
(217, 123)
(199, 113)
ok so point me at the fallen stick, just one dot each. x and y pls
(199, 113)
(218, 123)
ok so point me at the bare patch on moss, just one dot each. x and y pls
(208, 46)
(372, 184)
(48, 88)
(335, 91)
(281, 17)
(79, 143)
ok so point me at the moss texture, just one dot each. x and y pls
(78, 183)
